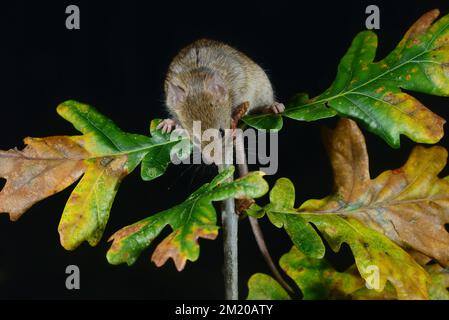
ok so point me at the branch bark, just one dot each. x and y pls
(230, 221)
(230, 245)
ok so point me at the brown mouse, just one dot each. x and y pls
(211, 82)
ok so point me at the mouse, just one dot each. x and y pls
(214, 83)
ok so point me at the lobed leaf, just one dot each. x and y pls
(374, 254)
(371, 249)
(264, 287)
(44, 167)
(407, 207)
(371, 92)
(317, 279)
(104, 154)
(193, 219)
(302, 234)
(439, 287)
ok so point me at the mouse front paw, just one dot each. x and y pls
(238, 112)
(167, 125)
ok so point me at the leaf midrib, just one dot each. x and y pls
(343, 93)
(117, 147)
(343, 209)
(116, 154)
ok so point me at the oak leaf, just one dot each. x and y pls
(190, 220)
(439, 288)
(371, 92)
(102, 156)
(316, 278)
(381, 218)
(409, 205)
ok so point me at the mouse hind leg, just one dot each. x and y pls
(275, 108)
(167, 125)
(242, 109)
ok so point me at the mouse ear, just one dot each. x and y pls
(175, 95)
(216, 85)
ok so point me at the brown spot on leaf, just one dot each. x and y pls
(392, 98)
(126, 231)
(104, 162)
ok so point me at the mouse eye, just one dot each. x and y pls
(222, 132)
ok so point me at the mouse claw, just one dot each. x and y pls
(277, 107)
(167, 125)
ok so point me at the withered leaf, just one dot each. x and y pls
(46, 166)
(381, 219)
(409, 205)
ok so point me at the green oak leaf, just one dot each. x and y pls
(264, 287)
(371, 92)
(193, 219)
(439, 287)
(318, 280)
(282, 200)
(157, 158)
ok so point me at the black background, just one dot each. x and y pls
(117, 62)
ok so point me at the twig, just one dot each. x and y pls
(257, 231)
(255, 227)
(230, 240)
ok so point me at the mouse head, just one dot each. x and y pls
(200, 96)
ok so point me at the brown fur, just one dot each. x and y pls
(195, 71)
